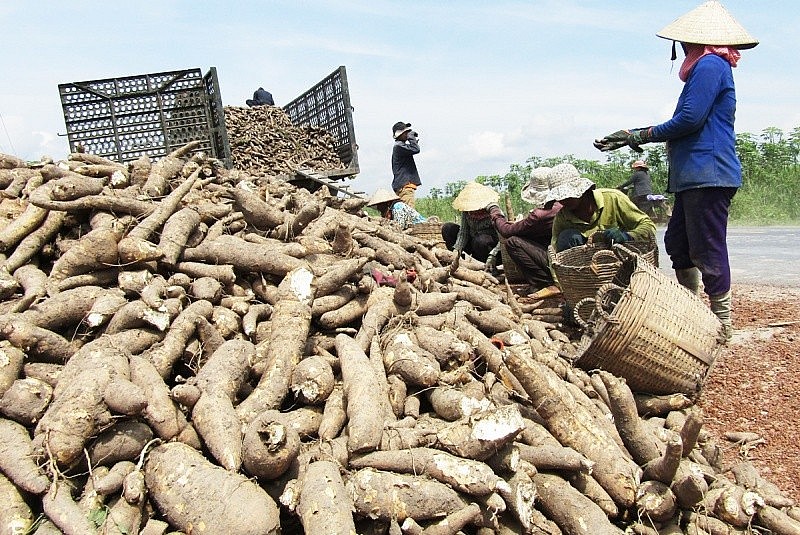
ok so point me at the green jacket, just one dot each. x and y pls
(614, 210)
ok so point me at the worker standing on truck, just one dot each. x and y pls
(261, 97)
(404, 168)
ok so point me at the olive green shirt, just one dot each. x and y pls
(614, 210)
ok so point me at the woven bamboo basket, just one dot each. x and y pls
(583, 269)
(430, 233)
(651, 331)
(511, 270)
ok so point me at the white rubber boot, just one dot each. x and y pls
(689, 278)
(721, 306)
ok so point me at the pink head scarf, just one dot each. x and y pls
(694, 52)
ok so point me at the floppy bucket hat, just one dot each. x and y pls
(382, 196)
(536, 189)
(708, 24)
(475, 196)
(566, 183)
(399, 127)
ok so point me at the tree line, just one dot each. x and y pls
(770, 192)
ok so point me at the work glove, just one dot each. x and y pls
(575, 239)
(615, 235)
(620, 138)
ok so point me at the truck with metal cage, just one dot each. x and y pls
(154, 114)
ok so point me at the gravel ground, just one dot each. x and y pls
(753, 386)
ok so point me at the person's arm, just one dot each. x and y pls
(633, 221)
(463, 234)
(698, 96)
(627, 182)
(410, 146)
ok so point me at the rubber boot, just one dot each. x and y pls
(689, 278)
(721, 307)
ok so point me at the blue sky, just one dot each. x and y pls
(486, 84)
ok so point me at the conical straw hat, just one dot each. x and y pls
(708, 24)
(475, 196)
(381, 196)
(536, 189)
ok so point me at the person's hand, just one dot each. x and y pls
(491, 264)
(615, 235)
(489, 207)
(640, 136)
(620, 138)
(613, 141)
(412, 136)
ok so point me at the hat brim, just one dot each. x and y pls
(474, 197)
(382, 196)
(708, 24)
(572, 190)
(398, 133)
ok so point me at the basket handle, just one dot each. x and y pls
(603, 256)
(602, 292)
(622, 252)
(576, 311)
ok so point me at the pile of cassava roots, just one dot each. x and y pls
(264, 142)
(190, 349)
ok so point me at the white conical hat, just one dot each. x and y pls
(708, 24)
(475, 196)
(382, 196)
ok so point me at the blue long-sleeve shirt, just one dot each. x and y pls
(701, 141)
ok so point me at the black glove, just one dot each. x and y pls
(620, 138)
(614, 141)
(640, 136)
(615, 235)
(575, 240)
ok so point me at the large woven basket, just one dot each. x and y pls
(650, 330)
(583, 269)
(429, 233)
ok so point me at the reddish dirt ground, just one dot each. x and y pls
(754, 385)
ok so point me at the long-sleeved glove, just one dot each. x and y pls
(620, 138)
(615, 235)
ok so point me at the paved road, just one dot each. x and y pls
(763, 255)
